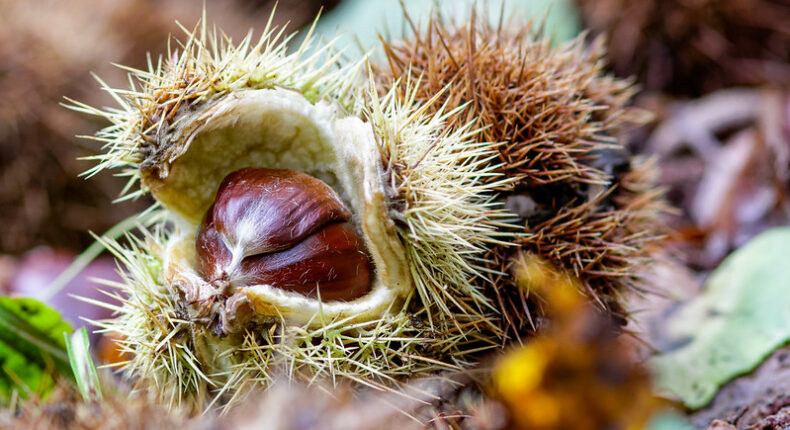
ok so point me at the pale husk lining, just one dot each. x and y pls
(277, 128)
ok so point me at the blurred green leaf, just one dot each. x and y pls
(359, 22)
(743, 315)
(32, 348)
(79, 348)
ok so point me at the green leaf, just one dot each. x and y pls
(359, 22)
(32, 350)
(79, 349)
(743, 315)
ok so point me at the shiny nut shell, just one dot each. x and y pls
(285, 229)
(330, 263)
(267, 210)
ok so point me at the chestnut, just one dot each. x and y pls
(285, 229)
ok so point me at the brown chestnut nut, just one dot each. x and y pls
(285, 229)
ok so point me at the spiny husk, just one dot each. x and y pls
(607, 240)
(442, 182)
(560, 120)
(184, 364)
(207, 66)
(437, 182)
(694, 47)
(552, 109)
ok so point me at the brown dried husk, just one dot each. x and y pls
(562, 122)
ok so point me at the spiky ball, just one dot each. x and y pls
(583, 202)
(694, 47)
(419, 194)
(426, 178)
